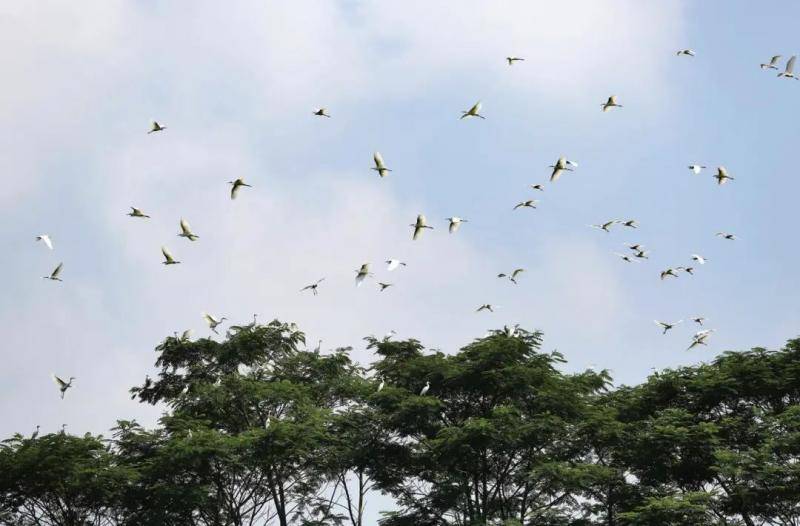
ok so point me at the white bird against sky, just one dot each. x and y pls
(54, 276)
(362, 273)
(156, 127)
(686, 52)
(667, 326)
(186, 231)
(420, 225)
(511, 60)
(530, 203)
(236, 185)
(487, 307)
(455, 222)
(384, 286)
(136, 212)
(321, 112)
(212, 321)
(380, 166)
(538, 187)
(513, 276)
(559, 168)
(168, 258)
(700, 259)
(789, 71)
(696, 168)
(772, 64)
(313, 287)
(610, 103)
(606, 227)
(474, 111)
(722, 176)
(727, 235)
(62, 385)
(392, 264)
(44, 238)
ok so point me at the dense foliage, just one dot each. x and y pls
(257, 430)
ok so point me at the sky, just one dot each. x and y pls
(236, 83)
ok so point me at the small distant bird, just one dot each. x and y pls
(511, 60)
(380, 166)
(380, 386)
(726, 235)
(630, 223)
(384, 286)
(789, 71)
(168, 259)
(687, 52)
(455, 222)
(135, 212)
(514, 275)
(558, 168)
(688, 270)
(636, 247)
(537, 187)
(267, 423)
(486, 306)
(213, 322)
(605, 227)
(392, 264)
(610, 103)
(700, 339)
(62, 385)
(473, 111)
(641, 254)
(773, 63)
(667, 326)
(696, 168)
(313, 286)
(156, 127)
(530, 203)
(186, 335)
(54, 275)
(321, 112)
(722, 176)
(668, 272)
(425, 389)
(389, 335)
(236, 185)
(625, 257)
(362, 273)
(419, 226)
(572, 163)
(699, 320)
(35, 433)
(319, 346)
(44, 238)
(700, 259)
(186, 231)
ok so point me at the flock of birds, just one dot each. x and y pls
(561, 166)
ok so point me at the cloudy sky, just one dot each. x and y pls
(236, 82)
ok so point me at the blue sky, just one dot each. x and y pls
(236, 84)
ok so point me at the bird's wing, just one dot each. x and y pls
(167, 254)
(59, 382)
(517, 272)
(476, 108)
(209, 318)
(57, 271)
(185, 227)
(790, 64)
(46, 239)
(234, 190)
(378, 160)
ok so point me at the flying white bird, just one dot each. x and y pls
(473, 111)
(419, 226)
(789, 71)
(486, 306)
(455, 222)
(54, 275)
(700, 259)
(605, 227)
(699, 320)
(168, 259)
(700, 339)
(558, 168)
(362, 273)
(425, 389)
(384, 286)
(156, 127)
(641, 254)
(727, 236)
(688, 270)
(44, 238)
(636, 247)
(722, 176)
(213, 322)
(313, 287)
(610, 103)
(62, 385)
(530, 203)
(667, 326)
(392, 264)
(669, 272)
(321, 112)
(773, 63)
(537, 187)
(136, 212)
(514, 275)
(186, 231)
(380, 166)
(630, 223)
(511, 60)
(625, 257)
(696, 168)
(687, 52)
(236, 185)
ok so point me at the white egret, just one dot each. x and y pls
(530, 203)
(474, 111)
(380, 166)
(212, 321)
(722, 176)
(186, 231)
(44, 238)
(236, 185)
(156, 127)
(313, 287)
(321, 112)
(669, 272)
(727, 236)
(537, 187)
(773, 63)
(362, 273)
(789, 71)
(136, 212)
(511, 60)
(667, 326)
(62, 385)
(696, 168)
(168, 259)
(605, 227)
(392, 264)
(455, 222)
(558, 168)
(425, 389)
(630, 223)
(486, 306)
(687, 52)
(513, 276)
(56, 272)
(385, 286)
(419, 226)
(610, 103)
(700, 259)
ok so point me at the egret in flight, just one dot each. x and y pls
(789, 71)
(727, 236)
(473, 111)
(558, 168)
(455, 222)
(667, 326)
(687, 52)
(514, 275)
(530, 203)
(486, 306)
(186, 231)
(392, 264)
(156, 127)
(168, 259)
(611, 103)
(380, 166)
(213, 322)
(385, 286)
(236, 185)
(696, 168)
(54, 275)
(62, 385)
(722, 176)
(511, 60)
(773, 63)
(44, 238)
(419, 226)
(136, 212)
(313, 287)
(321, 112)
(362, 273)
